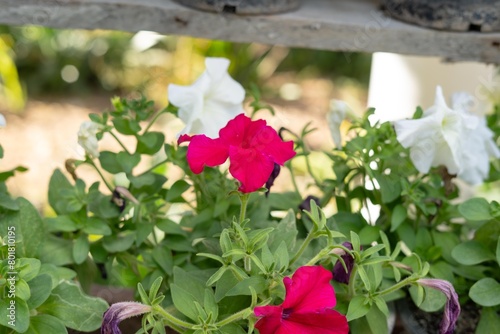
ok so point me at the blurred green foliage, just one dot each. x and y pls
(54, 61)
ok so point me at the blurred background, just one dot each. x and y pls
(50, 80)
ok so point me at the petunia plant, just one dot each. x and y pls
(195, 226)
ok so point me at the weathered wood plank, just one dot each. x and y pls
(349, 25)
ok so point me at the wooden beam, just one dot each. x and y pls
(344, 25)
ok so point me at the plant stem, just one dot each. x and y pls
(100, 174)
(171, 320)
(156, 116)
(303, 247)
(408, 280)
(154, 166)
(235, 317)
(243, 210)
(352, 281)
(119, 142)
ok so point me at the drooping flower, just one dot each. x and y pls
(454, 138)
(119, 312)
(307, 308)
(337, 113)
(252, 147)
(87, 138)
(208, 104)
(339, 273)
(452, 306)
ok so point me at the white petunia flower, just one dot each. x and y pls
(207, 105)
(3, 122)
(335, 117)
(454, 138)
(87, 138)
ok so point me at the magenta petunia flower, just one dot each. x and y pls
(252, 147)
(307, 308)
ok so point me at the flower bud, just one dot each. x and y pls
(119, 312)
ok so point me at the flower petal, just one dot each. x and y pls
(237, 129)
(309, 290)
(250, 167)
(270, 321)
(224, 88)
(267, 141)
(327, 321)
(204, 151)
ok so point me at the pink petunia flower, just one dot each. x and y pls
(307, 308)
(252, 147)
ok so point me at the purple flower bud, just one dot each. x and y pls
(306, 204)
(119, 312)
(339, 273)
(272, 177)
(452, 307)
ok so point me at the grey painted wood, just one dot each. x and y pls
(348, 25)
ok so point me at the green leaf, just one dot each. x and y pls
(60, 224)
(489, 321)
(210, 305)
(175, 192)
(471, 252)
(40, 288)
(28, 268)
(15, 314)
(369, 234)
(285, 231)
(57, 251)
(126, 126)
(390, 187)
(170, 227)
(81, 249)
(109, 162)
(486, 292)
(163, 258)
(28, 226)
(358, 307)
(498, 251)
(127, 161)
(118, 243)
(7, 202)
(377, 320)
(399, 215)
(191, 282)
(150, 143)
(433, 301)
(97, 226)
(364, 278)
(259, 283)
(58, 184)
(77, 311)
(475, 209)
(184, 302)
(44, 323)
(22, 290)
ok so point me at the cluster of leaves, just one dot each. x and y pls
(37, 294)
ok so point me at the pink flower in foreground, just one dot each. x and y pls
(307, 308)
(252, 147)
